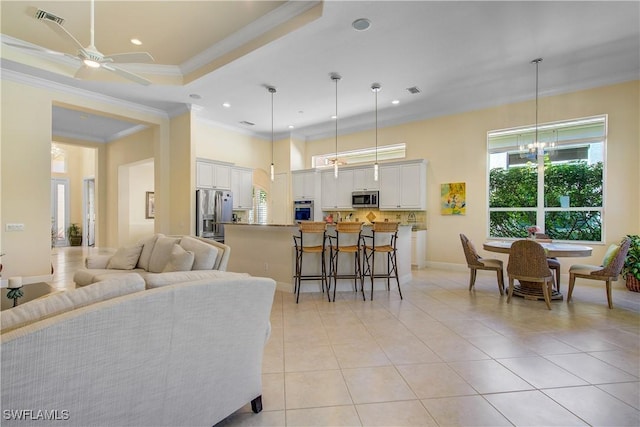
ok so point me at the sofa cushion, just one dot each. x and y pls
(125, 258)
(161, 253)
(158, 280)
(205, 254)
(147, 249)
(39, 309)
(180, 260)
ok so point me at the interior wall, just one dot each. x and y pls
(140, 180)
(455, 147)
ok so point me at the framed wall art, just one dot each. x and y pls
(453, 198)
(150, 207)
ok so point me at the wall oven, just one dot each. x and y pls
(364, 199)
(303, 210)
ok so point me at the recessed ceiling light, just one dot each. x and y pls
(334, 117)
(137, 42)
(361, 24)
(395, 102)
(291, 126)
(226, 105)
(195, 96)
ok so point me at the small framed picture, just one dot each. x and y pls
(150, 211)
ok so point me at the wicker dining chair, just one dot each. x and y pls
(554, 264)
(475, 263)
(608, 272)
(528, 263)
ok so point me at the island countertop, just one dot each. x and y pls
(267, 250)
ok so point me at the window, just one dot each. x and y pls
(366, 155)
(557, 185)
(259, 212)
(58, 159)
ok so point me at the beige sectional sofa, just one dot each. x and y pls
(113, 353)
(160, 260)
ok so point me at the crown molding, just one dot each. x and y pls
(260, 26)
(15, 76)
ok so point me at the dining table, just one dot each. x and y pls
(529, 290)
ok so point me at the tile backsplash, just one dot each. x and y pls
(419, 218)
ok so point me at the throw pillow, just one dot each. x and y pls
(147, 249)
(62, 302)
(610, 254)
(205, 254)
(180, 260)
(125, 258)
(161, 253)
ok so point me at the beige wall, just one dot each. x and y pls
(455, 147)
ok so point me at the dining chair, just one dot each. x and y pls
(311, 239)
(607, 272)
(554, 264)
(528, 263)
(475, 263)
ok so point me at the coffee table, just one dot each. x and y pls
(30, 292)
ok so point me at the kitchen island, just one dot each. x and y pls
(267, 250)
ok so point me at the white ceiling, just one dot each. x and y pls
(462, 56)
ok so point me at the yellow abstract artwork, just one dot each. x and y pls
(453, 198)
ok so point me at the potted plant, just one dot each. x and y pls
(631, 267)
(74, 233)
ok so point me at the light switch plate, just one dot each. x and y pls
(14, 227)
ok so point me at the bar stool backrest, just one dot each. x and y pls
(387, 233)
(314, 232)
(350, 232)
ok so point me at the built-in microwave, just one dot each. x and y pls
(364, 199)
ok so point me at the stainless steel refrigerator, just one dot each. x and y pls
(213, 209)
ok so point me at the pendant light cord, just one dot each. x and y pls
(536, 61)
(376, 92)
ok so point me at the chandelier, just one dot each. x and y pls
(537, 147)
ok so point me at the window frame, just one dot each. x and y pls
(523, 134)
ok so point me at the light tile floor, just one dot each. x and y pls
(444, 356)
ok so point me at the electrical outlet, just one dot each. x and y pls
(14, 227)
(266, 266)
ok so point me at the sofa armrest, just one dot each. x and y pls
(97, 261)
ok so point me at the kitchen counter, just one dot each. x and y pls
(267, 250)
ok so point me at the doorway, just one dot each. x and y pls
(59, 211)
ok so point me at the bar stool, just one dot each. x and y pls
(311, 240)
(348, 243)
(383, 238)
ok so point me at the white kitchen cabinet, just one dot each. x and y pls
(242, 188)
(363, 179)
(213, 175)
(303, 184)
(419, 248)
(336, 193)
(403, 186)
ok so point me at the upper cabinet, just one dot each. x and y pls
(363, 179)
(213, 175)
(403, 186)
(304, 184)
(242, 188)
(336, 193)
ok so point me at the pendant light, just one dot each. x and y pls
(537, 147)
(375, 87)
(272, 90)
(336, 78)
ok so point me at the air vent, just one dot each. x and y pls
(46, 16)
(246, 123)
(413, 90)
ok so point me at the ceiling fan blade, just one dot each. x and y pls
(127, 74)
(131, 57)
(83, 73)
(63, 33)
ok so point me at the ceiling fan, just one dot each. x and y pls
(90, 57)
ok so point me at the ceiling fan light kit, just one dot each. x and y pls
(90, 56)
